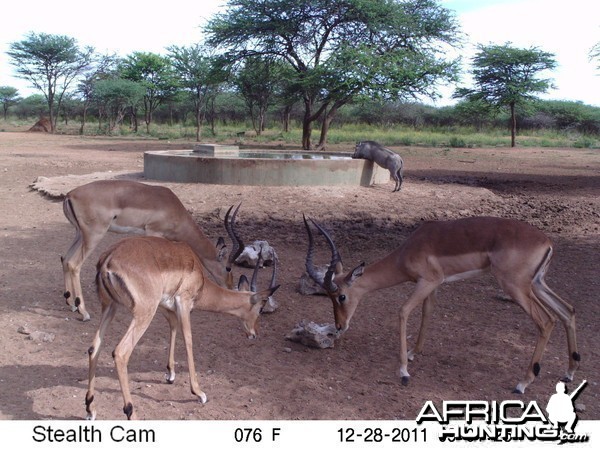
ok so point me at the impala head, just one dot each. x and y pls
(337, 284)
(257, 299)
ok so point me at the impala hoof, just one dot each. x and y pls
(405, 381)
(520, 389)
(202, 398)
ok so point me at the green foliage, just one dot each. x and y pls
(342, 49)
(33, 106)
(507, 76)
(114, 96)
(199, 73)
(51, 63)
(8, 96)
(156, 74)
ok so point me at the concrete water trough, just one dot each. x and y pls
(220, 164)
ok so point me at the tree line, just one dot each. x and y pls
(314, 61)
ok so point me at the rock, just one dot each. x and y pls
(250, 254)
(270, 306)
(23, 330)
(307, 286)
(41, 336)
(313, 335)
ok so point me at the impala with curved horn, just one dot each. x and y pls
(143, 274)
(130, 207)
(516, 253)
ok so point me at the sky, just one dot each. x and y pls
(568, 29)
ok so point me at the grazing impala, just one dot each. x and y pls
(516, 253)
(143, 274)
(124, 206)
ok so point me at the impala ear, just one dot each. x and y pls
(356, 272)
(221, 252)
(263, 296)
(243, 284)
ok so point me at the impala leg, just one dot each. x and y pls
(426, 311)
(566, 314)
(71, 269)
(423, 289)
(542, 318)
(183, 314)
(108, 313)
(123, 351)
(173, 324)
(72, 262)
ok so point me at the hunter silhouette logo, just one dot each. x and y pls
(508, 420)
(561, 407)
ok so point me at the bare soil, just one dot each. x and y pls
(480, 342)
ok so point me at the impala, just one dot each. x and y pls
(145, 273)
(516, 253)
(130, 207)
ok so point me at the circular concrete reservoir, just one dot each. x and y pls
(214, 164)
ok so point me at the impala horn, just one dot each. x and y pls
(327, 282)
(237, 243)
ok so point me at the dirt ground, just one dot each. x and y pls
(479, 345)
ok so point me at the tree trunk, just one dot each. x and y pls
(513, 125)
(200, 115)
(306, 124)
(134, 119)
(326, 123)
(83, 118)
(286, 118)
(51, 112)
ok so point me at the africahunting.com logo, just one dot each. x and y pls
(510, 420)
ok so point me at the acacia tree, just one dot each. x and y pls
(104, 67)
(595, 54)
(198, 73)
(507, 76)
(155, 73)
(258, 82)
(8, 97)
(115, 97)
(339, 49)
(50, 63)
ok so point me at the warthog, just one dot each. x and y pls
(382, 156)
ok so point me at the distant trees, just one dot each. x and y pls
(198, 74)
(8, 97)
(508, 76)
(115, 97)
(303, 62)
(156, 74)
(51, 63)
(103, 67)
(340, 49)
(595, 54)
(258, 81)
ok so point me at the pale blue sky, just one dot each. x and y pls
(567, 29)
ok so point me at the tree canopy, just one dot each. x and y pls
(156, 74)
(341, 49)
(51, 63)
(508, 76)
(198, 73)
(8, 97)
